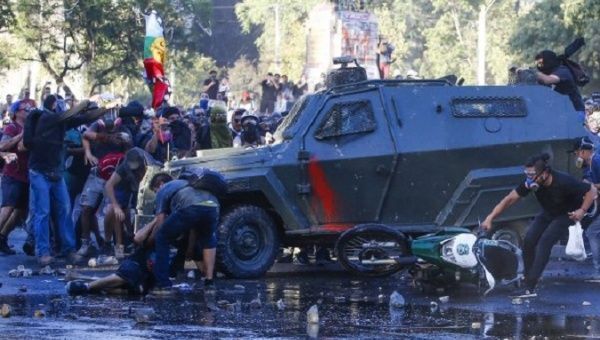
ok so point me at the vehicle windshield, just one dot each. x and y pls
(285, 128)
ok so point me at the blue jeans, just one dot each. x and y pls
(203, 219)
(45, 195)
(593, 234)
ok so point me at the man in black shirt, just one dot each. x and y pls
(564, 201)
(211, 85)
(270, 88)
(554, 73)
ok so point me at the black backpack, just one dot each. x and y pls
(205, 179)
(30, 125)
(581, 78)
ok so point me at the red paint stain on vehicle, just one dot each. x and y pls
(325, 196)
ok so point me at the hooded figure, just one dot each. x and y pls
(550, 61)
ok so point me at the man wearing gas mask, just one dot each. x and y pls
(564, 201)
(46, 169)
(251, 136)
(589, 161)
(105, 144)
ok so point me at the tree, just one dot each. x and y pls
(553, 24)
(292, 16)
(102, 38)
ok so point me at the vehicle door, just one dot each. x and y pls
(350, 151)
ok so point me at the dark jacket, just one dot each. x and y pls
(47, 155)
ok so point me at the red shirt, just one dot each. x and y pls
(17, 169)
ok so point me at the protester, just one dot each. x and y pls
(158, 141)
(202, 129)
(564, 201)
(224, 89)
(181, 133)
(105, 144)
(182, 209)
(384, 57)
(235, 128)
(211, 85)
(15, 182)
(5, 107)
(121, 190)
(251, 135)
(246, 102)
(132, 117)
(553, 72)
(46, 169)
(301, 88)
(134, 273)
(27, 99)
(270, 88)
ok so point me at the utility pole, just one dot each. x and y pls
(482, 41)
(277, 39)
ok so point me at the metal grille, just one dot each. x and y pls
(482, 107)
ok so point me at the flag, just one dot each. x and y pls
(155, 56)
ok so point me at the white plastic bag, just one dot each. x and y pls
(575, 248)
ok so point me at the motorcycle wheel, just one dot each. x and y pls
(370, 249)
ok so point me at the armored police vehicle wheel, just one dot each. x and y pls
(372, 250)
(248, 242)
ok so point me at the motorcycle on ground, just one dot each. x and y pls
(449, 257)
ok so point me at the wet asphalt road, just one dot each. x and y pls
(349, 307)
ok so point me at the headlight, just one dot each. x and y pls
(459, 250)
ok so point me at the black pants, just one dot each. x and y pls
(542, 234)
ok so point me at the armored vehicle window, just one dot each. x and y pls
(500, 107)
(292, 117)
(347, 118)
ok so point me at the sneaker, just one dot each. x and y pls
(28, 249)
(524, 293)
(302, 258)
(119, 251)
(86, 249)
(45, 260)
(77, 288)
(4, 248)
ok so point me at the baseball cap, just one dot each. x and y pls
(582, 143)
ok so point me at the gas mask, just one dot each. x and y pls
(531, 184)
(164, 135)
(110, 120)
(249, 135)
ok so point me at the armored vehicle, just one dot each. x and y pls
(413, 155)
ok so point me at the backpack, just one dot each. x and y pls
(108, 164)
(581, 78)
(29, 129)
(205, 179)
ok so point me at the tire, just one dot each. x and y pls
(348, 246)
(247, 243)
(510, 235)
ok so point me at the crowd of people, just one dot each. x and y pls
(66, 163)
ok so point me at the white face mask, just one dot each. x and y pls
(579, 162)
